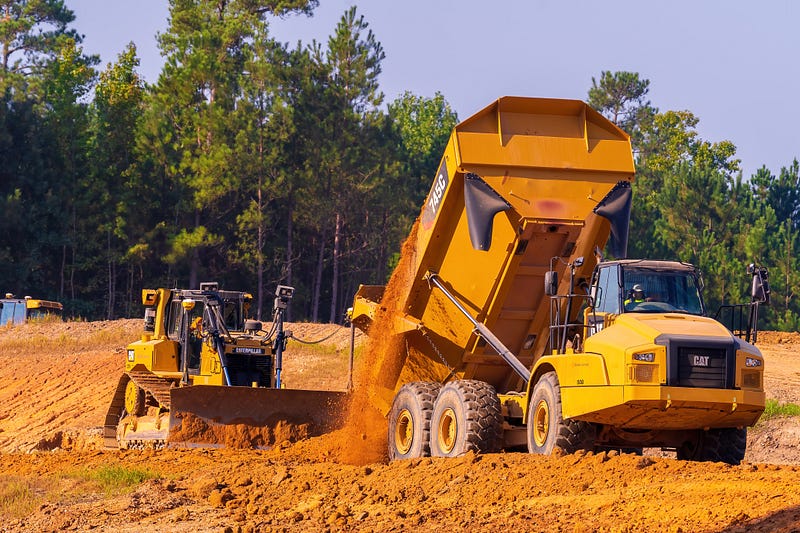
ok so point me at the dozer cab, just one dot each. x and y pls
(202, 367)
(509, 329)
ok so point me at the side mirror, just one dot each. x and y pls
(760, 290)
(551, 283)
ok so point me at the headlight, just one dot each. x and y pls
(752, 362)
(130, 355)
(647, 357)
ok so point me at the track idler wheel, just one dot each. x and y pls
(134, 399)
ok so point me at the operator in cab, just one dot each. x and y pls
(635, 297)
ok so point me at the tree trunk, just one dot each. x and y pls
(335, 278)
(318, 280)
(260, 251)
(194, 265)
(111, 278)
(289, 245)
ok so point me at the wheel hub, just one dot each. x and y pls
(404, 432)
(448, 427)
(541, 423)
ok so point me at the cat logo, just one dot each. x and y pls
(700, 360)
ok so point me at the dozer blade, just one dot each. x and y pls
(247, 417)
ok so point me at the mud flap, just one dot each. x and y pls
(247, 417)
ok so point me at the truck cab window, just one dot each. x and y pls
(654, 291)
(607, 290)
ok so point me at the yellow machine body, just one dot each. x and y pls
(523, 190)
(199, 358)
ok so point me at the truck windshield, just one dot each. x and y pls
(656, 291)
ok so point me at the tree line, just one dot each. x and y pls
(253, 162)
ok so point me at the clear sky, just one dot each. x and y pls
(733, 63)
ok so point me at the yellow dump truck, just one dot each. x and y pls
(511, 331)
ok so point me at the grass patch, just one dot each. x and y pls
(113, 480)
(19, 496)
(774, 409)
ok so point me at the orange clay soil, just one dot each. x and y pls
(56, 380)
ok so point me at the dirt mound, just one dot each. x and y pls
(56, 381)
(778, 337)
(210, 490)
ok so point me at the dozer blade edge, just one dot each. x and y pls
(246, 417)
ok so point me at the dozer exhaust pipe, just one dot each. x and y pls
(482, 330)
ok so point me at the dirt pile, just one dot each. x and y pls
(56, 381)
(211, 490)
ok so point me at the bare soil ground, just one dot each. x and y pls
(56, 380)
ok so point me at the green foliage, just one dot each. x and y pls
(18, 497)
(622, 98)
(424, 126)
(774, 409)
(113, 479)
(690, 204)
(251, 162)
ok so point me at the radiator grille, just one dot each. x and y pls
(244, 370)
(702, 367)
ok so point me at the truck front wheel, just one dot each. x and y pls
(467, 416)
(725, 445)
(410, 420)
(547, 430)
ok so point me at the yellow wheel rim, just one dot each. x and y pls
(448, 428)
(404, 432)
(541, 423)
(131, 393)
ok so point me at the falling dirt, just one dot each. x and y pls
(56, 380)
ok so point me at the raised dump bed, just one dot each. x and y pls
(480, 347)
(519, 184)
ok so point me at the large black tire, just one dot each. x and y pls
(467, 417)
(410, 420)
(726, 445)
(547, 430)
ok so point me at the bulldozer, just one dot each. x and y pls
(200, 363)
(511, 329)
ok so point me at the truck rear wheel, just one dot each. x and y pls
(725, 445)
(547, 430)
(410, 420)
(466, 417)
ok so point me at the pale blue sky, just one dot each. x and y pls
(732, 63)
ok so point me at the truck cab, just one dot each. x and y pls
(639, 286)
(654, 369)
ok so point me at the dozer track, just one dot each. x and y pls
(154, 387)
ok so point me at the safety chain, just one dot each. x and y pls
(436, 349)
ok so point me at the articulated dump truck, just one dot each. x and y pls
(203, 374)
(513, 332)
